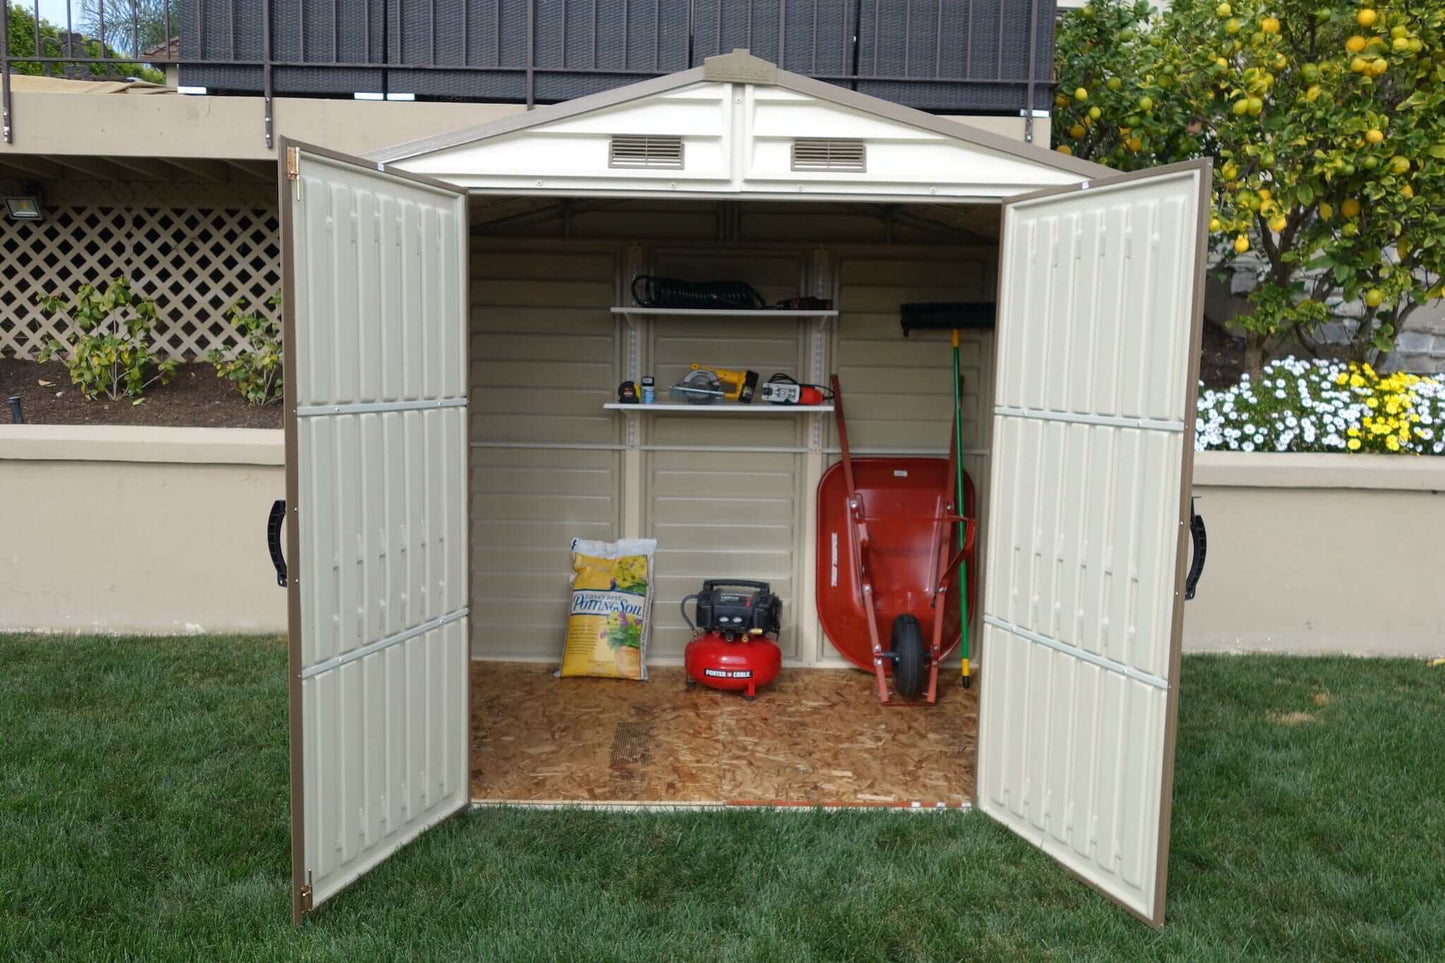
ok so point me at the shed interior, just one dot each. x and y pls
(726, 493)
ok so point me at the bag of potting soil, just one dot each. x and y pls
(611, 614)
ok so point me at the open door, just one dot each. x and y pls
(375, 302)
(1099, 319)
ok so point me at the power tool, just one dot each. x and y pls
(705, 384)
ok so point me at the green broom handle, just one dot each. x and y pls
(962, 582)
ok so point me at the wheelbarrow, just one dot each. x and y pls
(887, 564)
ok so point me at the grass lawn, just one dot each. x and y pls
(143, 816)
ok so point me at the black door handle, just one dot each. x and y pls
(274, 524)
(1196, 565)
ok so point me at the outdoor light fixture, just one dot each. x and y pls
(26, 205)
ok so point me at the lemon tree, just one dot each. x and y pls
(1326, 123)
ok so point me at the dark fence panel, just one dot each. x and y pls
(942, 55)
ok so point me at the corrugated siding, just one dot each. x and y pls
(723, 516)
(545, 356)
(381, 505)
(1095, 319)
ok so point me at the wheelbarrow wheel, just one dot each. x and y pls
(909, 664)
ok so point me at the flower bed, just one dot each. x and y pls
(1324, 406)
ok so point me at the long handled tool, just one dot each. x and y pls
(953, 317)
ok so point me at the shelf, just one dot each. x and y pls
(731, 408)
(723, 312)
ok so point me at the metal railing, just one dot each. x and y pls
(979, 56)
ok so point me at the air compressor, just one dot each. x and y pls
(732, 646)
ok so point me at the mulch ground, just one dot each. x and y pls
(195, 397)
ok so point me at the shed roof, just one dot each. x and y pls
(737, 119)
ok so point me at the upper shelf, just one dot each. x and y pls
(723, 312)
(719, 408)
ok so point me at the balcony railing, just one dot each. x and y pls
(956, 56)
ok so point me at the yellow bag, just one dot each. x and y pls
(611, 615)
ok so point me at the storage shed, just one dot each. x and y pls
(458, 317)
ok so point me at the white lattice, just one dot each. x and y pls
(193, 261)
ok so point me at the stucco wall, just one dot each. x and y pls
(138, 529)
(1320, 553)
(162, 530)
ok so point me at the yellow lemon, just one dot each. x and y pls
(1061, 101)
(1366, 17)
(1278, 223)
(1241, 107)
(1269, 25)
(1407, 192)
(1229, 171)
(1135, 143)
(1064, 149)
(1399, 164)
(1373, 297)
(1265, 193)
(1379, 66)
(1232, 25)
(1350, 208)
(1399, 31)
(1076, 131)
(1215, 224)
(1313, 93)
(1081, 94)
(1223, 10)
(1355, 44)
(1241, 244)
(1359, 65)
(1256, 106)
(1146, 103)
(1095, 113)
(1374, 135)
(1115, 83)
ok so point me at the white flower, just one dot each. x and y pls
(1248, 446)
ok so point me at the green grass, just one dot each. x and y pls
(143, 816)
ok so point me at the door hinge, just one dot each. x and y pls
(304, 895)
(293, 163)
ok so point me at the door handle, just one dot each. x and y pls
(1196, 565)
(274, 523)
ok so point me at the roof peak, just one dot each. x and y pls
(740, 66)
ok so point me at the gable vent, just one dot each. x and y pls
(829, 155)
(645, 150)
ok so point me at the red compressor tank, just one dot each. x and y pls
(739, 664)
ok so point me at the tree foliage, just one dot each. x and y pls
(133, 26)
(1326, 123)
(45, 39)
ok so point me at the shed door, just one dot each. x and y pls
(1099, 312)
(376, 457)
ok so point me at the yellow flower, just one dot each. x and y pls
(1414, 418)
(1392, 443)
(1353, 432)
(1356, 381)
(1342, 378)
(1354, 444)
(1372, 401)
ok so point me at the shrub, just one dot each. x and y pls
(1326, 123)
(256, 368)
(1325, 406)
(109, 352)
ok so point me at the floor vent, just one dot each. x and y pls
(829, 155)
(645, 150)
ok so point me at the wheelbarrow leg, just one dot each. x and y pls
(878, 655)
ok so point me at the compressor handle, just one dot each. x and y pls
(683, 606)
(1201, 545)
(712, 583)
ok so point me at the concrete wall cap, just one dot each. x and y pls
(1237, 469)
(142, 443)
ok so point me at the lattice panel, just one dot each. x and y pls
(195, 262)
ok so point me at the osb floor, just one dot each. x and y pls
(816, 736)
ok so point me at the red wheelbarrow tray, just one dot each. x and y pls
(903, 503)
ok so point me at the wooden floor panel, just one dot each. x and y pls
(815, 736)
